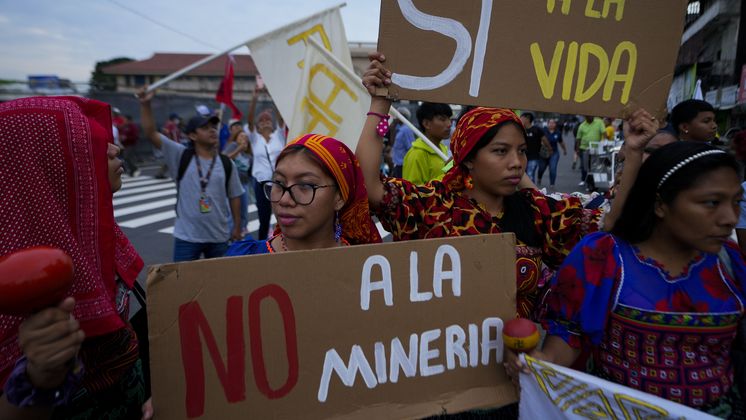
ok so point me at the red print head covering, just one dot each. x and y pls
(54, 190)
(469, 130)
(357, 225)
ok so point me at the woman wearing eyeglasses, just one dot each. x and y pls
(318, 195)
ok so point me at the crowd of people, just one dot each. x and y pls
(647, 292)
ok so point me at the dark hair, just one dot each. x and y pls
(464, 110)
(685, 111)
(429, 110)
(529, 115)
(638, 219)
(517, 213)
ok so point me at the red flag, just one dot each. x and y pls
(225, 91)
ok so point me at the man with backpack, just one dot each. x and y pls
(205, 187)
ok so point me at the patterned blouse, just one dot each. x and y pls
(432, 210)
(665, 335)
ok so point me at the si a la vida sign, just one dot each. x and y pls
(401, 330)
(594, 57)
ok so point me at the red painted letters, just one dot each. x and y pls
(194, 328)
(291, 341)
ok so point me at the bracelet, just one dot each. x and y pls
(21, 393)
(383, 126)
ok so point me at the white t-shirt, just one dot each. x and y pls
(266, 152)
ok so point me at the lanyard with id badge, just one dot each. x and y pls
(205, 205)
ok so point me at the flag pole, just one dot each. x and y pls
(206, 60)
(393, 111)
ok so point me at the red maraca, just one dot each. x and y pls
(34, 278)
(520, 335)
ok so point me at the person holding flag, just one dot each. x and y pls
(267, 142)
(208, 191)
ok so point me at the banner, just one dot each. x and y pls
(279, 54)
(575, 57)
(552, 392)
(398, 330)
(331, 99)
(224, 94)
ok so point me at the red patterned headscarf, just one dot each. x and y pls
(54, 190)
(469, 130)
(357, 225)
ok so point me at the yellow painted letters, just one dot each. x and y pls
(586, 50)
(578, 68)
(547, 78)
(572, 62)
(303, 36)
(627, 78)
(619, 9)
(565, 6)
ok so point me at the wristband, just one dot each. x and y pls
(20, 392)
(383, 126)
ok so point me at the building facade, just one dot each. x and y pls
(712, 59)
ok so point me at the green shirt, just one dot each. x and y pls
(422, 164)
(590, 133)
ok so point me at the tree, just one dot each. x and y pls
(106, 82)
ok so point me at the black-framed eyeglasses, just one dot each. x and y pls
(302, 194)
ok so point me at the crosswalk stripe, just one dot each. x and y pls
(143, 197)
(128, 179)
(149, 219)
(143, 189)
(143, 183)
(254, 224)
(252, 227)
(144, 207)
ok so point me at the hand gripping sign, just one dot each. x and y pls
(401, 330)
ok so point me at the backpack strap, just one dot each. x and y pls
(184, 160)
(228, 169)
(186, 157)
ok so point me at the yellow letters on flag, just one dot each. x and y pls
(279, 54)
(330, 100)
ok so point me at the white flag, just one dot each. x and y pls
(279, 54)
(330, 100)
(552, 392)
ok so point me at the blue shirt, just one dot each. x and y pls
(402, 143)
(247, 247)
(554, 138)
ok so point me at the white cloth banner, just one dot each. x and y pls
(279, 54)
(552, 392)
(330, 100)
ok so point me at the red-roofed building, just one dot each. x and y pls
(202, 81)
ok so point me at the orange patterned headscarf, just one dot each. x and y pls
(469, 130)
(357, 225)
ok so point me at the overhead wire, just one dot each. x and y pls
(163, 25)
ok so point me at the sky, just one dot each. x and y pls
(67, 37)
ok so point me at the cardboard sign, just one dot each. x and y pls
(593, 57)
(401, 330)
